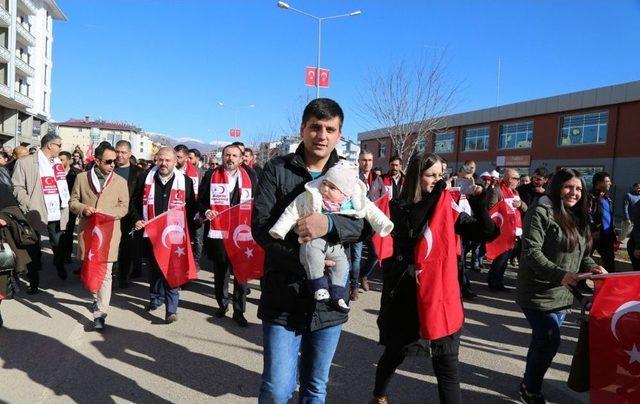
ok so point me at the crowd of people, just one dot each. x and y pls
(314, 215)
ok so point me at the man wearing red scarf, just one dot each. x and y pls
(505, 191)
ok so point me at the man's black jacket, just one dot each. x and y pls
(285, 298)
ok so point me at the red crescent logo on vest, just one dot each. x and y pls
(217, 189)
(49, 181)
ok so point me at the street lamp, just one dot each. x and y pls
(286, 6)
(235, 109)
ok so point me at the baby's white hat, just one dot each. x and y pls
(344, 176)
(495, 174)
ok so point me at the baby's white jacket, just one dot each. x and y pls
(310, 201)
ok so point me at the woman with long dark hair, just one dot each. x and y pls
(555, 247)
(422, 264)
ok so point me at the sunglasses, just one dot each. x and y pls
(57, 144)
(108, 162)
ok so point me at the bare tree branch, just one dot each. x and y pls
(409, 101)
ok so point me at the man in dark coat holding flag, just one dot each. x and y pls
(158, 190)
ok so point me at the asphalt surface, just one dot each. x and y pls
(50, 353)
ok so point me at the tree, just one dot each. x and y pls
(410, 101)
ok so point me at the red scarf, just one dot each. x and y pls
(192, 172)
(220, 198)
(177, 197)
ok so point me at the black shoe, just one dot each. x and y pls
(239, 318)
(467, 294)
(531, 398)
(33, 289)
(151, 307)
(171, 318)
(62, 273)
(135, 274)
(502, 288)
(98, 323)
(222, 311)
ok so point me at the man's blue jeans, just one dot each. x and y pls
(545, 341)
(281, 363)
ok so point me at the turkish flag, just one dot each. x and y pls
(323, 78)
(614, 339)
(234, 132)
(310, 76)
(504, 218)
(169, 237)
(383, 245)
(245, 255)
(436, 263)
(97, 235)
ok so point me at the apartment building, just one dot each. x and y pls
(26, 38)
(82, 133)
(593, 130)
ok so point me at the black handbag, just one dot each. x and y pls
(579, 373)
(23, 234)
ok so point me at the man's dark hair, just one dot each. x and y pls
(102, 147)
(248, 150)
(541, 172)
(66, 154)
(231, 145)
(635, 184)
(196, 152)
(394, 158)
(599, 177)
(322, 108)
(123, 143)
(46, 139)
(238, 144)
(181, 148)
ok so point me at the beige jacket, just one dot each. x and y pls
(114, 200)
(27, 189)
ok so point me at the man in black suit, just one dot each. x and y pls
(130, 245)
(72, 173)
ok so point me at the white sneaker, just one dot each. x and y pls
(321, 295)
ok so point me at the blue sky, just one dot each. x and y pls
(165, 64)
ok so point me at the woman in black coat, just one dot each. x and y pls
(398, 320)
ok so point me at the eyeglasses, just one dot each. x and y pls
(57, 144)
(109, 162)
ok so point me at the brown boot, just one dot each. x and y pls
(354, 294)
(379, 400)
(365, 284)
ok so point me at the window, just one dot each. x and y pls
(382, 149)
(45, 75)
(516, 135)
(476, 139)
(443, 142)
(45, 107)
(584, 129)
(421, 143)
(141, 150)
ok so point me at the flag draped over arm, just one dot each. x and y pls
(436, 264)
(505, 219)
(97, 239)
(169, 236)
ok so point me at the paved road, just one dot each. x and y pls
(49, 352)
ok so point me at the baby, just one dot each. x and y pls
(338, 192)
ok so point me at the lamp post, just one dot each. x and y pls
(286, 6)
(235, 109)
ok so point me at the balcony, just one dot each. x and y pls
(5, 17)
(4, 91)
(23, 99)
(27, 6)
(26, 35)
(5, 55)
(22, 66)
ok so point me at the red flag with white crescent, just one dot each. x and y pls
(504, 218)
(245, 255)
(323, 78)
(169, 236)
(383, 245)
(614, 339)
(436, 264)
(97, 236)
(89, 155)
(310, 76)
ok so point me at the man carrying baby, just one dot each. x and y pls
(293, 321)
